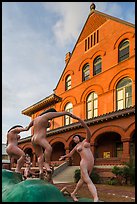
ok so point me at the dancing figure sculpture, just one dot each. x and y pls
(86, 163)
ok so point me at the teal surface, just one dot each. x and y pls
(14, 189)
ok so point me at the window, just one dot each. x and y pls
(124, 93)
(92, 40)
(67, 119)
(92, 105)
(123, 50)
(85, 72)
(88, 42)
(97, 65)
(97, 36)
(86, 45)
(119, 149)
(68, 82)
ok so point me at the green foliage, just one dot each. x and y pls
(77, 175)
(127, 172)
(112, 181)
(94, 176)
(117, 170)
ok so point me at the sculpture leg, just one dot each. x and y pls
(78, 186)
(85, 175)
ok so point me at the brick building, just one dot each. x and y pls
(98, 85)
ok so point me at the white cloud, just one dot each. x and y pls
(33, 52)
(71, 16)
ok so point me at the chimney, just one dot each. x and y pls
(68, 55)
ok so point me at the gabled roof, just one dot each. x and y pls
(94, 21)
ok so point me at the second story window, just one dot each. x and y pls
(92, 105)
(68, 83)
(97, 65)
(67, 119)
(124, 93)
(123, 50)
(85, 72)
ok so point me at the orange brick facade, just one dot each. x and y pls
(113, 131)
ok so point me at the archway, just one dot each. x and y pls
(29, 152)
(108, 145)
(75, 159)
(58, 149)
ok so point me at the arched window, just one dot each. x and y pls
(68, 82)
(123, 50)
(85, 72)
(124, 93)
(97, 65)
(92, 105)
(67, 119)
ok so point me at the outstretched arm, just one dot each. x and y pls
(51, 115)
(68, 155)
(88, 137)
(19, 129)
(29, 126)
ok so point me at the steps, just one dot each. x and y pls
(66, 175)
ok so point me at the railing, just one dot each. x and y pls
(56, 163)
(60, 168)
(53, 163)
(108, 161)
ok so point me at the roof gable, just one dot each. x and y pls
(94, 21)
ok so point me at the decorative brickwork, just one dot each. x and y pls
(112, 129)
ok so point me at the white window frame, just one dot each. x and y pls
(68, 119)
(91, 110)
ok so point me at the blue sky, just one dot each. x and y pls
(35, 39)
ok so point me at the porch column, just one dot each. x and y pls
(126, 150)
